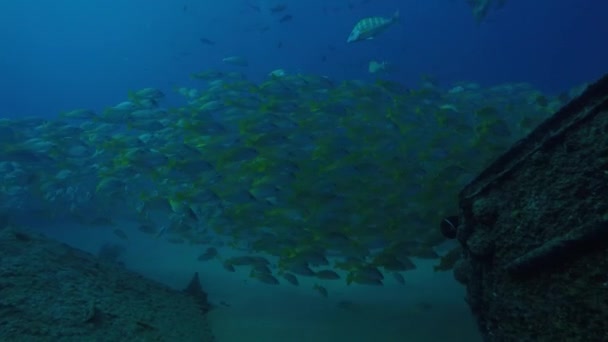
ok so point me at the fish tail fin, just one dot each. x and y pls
(349, 278)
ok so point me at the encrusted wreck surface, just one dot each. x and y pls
(534, 231)
(52, 292)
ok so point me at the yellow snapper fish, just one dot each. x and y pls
(277, 73)
(368, 28)
(375, 67)
(235, 60)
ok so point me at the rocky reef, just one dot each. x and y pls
(52, 292)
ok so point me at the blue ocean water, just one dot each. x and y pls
(66, 54)
(69, 54)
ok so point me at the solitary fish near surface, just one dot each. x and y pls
(322, 290)
(377, 67)
(209, 254)
(235, 60)
(399, 278)
(291, 279)
(369, 28)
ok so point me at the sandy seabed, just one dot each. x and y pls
(428, 307)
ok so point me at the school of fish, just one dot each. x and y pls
(321, 177)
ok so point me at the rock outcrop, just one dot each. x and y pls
(52, 292)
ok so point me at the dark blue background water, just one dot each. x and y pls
(66, 54)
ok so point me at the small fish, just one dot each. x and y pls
(121, 234)
(162, 231)
(365, 276)
(146, 93)
(370, 272)
(277, 73)
(327, 274)
(391, 263)
(376, 67)
(111, 185)
(345, 305)
(235, 60)
(337, 238)
(147, 228)
(399, 278)
(302, 269)
(262, 269)
(480, 8)
(254, 7)
(423, 306)
(449, 226)
(248, 260)
(369, 28)
(265, 278)
(176, 240)
(79, 114)
(206, 41)
(278, 8)
(263, 28)
(285, 18)
(101, 221)
(228, 266)
(322, 291)
(291, 279)
(209, 254)
(207, 75)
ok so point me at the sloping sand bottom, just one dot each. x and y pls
(428, 307)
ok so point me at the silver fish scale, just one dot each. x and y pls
(370, 23)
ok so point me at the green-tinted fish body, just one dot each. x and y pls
(265, 278)
(291, 279)
(368, 28)
(327, 274)
(209, 254)
(399, 278)
(322, 291)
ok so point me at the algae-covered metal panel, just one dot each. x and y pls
(534, 231)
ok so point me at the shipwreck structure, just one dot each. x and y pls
(534, 231)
